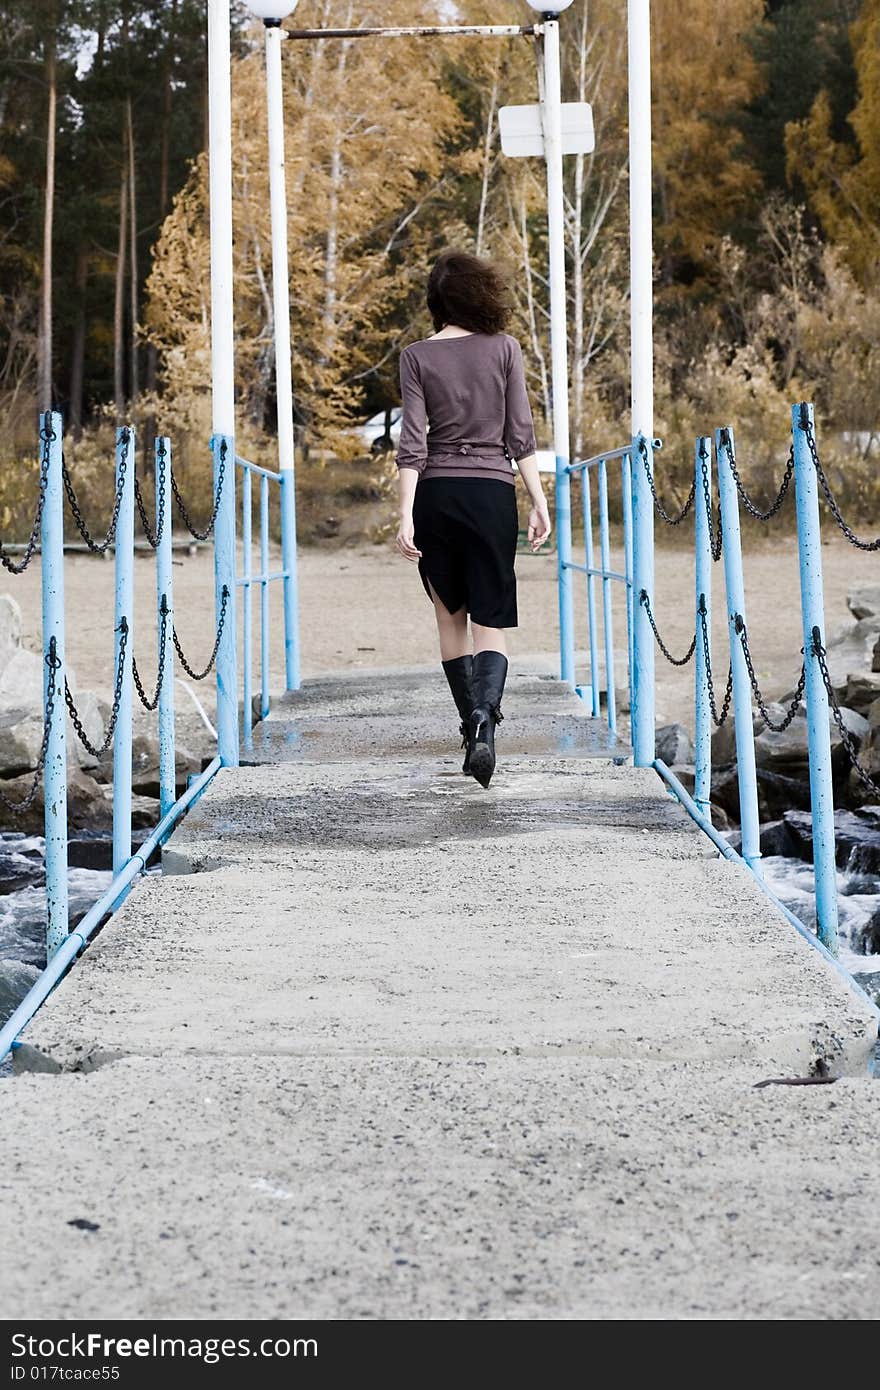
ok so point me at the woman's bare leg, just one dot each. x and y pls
(489, 639)
(452, 629)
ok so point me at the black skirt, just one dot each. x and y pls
(466, 529)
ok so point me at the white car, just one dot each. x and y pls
(373, 432)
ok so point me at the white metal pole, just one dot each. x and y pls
(283, 365)
(552, 124)
(642, 374)
(220, 181)
(223, 368)
(641, 250)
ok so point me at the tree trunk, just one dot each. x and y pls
(164, 167)
(119, 301)
(78, 346)
(487, 166)
(133, 268)
(44, 358)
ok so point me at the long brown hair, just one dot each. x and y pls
(469, 292)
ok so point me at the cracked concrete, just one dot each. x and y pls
(381, 1044)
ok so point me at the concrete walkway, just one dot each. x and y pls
(381, 1044)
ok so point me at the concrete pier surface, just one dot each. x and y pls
(381, 1044)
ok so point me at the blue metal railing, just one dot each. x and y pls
(639, 501)
(246, 581)
(63, 946)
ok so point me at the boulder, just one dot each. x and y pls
(875, 662)
(21, 682)
(94, 714)
(857, 840)
(865, 940)
(10, 626)
(851, 648)
(777, 839)
(673, 745)
(863, 601)
(88, 807)
(20, 742)
(861, 690)
(778, 793)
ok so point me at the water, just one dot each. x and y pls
(858, 901)
(23, 913)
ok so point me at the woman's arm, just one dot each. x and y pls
(412, 452)
(407, 481)
(539, 516)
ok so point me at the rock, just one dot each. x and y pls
(866, 940)
(873, 714)
(778, 793)
(861, 690)
(673, 746)
(10, 626)
(875, 662)
(851, 649)
(19, 868)
(725, 791)
(20, 742)
(21, 683)
(94, 714)
(855, 724)
(863, 601)
(776, 838)
(87, 804)
(720, 819)
(857, 840)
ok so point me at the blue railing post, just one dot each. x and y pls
(818, 729)
(626, 497)
(702, 612)
(564, 576)
(165, 593)
(291, 578)
(742, 690)
(247, 617)
(642, 703)
(264, 595)
(607, 624)
(591, 591)
(124, 609)
(223, 450)
(55, 776)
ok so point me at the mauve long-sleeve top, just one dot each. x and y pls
(465, 407)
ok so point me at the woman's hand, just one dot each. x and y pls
(539, 524)
(405, 543)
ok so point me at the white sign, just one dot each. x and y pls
(522, 133)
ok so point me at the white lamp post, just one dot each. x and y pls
(552, 123)
(272, 12)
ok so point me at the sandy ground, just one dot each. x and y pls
(366, 607)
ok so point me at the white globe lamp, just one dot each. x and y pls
(272, 11)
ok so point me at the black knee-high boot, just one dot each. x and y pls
(459, 674)
(487, 682)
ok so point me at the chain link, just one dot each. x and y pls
(98, 547)
(98, 752)
(673, 660)
(829, 495)
(200, 675)
(48, 436)
(151, 704)
(846, 737)
(661, 510)
(717, 719)
(153, 537)
(726, 443)
(794, 705)
(715, 538)
(54, 665)
(181, 505)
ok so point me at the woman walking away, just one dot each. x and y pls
(466, 417)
